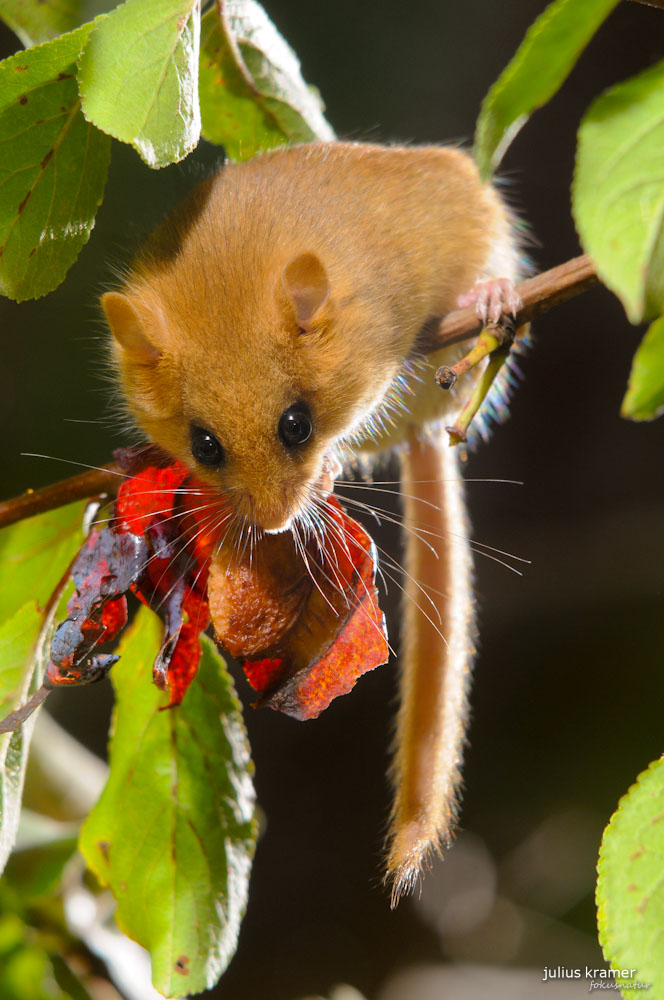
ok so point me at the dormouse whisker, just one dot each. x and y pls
(420, 527)
(415, 582)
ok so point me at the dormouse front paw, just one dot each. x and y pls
(492, 299)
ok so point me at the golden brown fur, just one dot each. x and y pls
(307, 274)
(401, 232)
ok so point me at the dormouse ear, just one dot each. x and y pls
(305, 280)
(128, 328)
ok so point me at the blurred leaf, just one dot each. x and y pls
(53, 167)
(36, 21)
(43, 848)
(34, 554)
(138, 77)
(630, 890)
(542, 63)
(36, 830)
(173, 833)
(25, 970)
(252, 93)
(644, 399)
(70, 984)
(36, 872)
(64, 779)
(618, 191)
(12, 932)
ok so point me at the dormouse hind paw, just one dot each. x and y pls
(492, 299)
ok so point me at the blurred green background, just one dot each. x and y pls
(568, 682)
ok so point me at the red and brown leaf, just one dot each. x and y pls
(307, 627)
(305, 622)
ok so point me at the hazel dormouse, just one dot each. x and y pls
(265, 335)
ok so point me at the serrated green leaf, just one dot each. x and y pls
(644, 399)
(138, 78)
(630, 889)
(252, 93)
(34, 554)
(542, 63)
(36, 21)
(53, 167)
(173, 833)
(618, 191)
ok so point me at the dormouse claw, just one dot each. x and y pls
(492, 299)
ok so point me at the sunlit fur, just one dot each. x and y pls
(208, 294)
(208, 330)
(436, 672)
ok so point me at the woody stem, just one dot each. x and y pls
(537, 294)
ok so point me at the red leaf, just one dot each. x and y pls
(312, 626)
(105, 568)
(154, 547)
(359, 645)
(150, 494)
(307, 623)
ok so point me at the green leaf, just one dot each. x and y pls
(138, 78)
(24, 642)
(36, 21)
(644, 399)
(36, 830)
(542, 63)
(173, 833)
(53, 167)
(26, 972)
(43, 848)
(252, 93)
(630, 889)
(21, 667)
(17, 636)
(34, 555)
(618, 191)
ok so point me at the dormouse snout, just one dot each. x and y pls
(271, 478)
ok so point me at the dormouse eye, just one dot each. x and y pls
(205, 448)
(295, 425)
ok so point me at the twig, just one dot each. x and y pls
(652, 3)
(15, 720)
(86, 484)
(104, 480)
(537, 294)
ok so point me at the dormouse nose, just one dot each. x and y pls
(273, 511)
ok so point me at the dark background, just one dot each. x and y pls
(565, 703)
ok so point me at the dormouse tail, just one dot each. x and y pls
(436, 654)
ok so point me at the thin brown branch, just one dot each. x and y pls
(104, 480)
(15, 720)
(86, 484)
(537, 294)
(651, 3)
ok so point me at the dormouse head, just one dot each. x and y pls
(252, 384)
